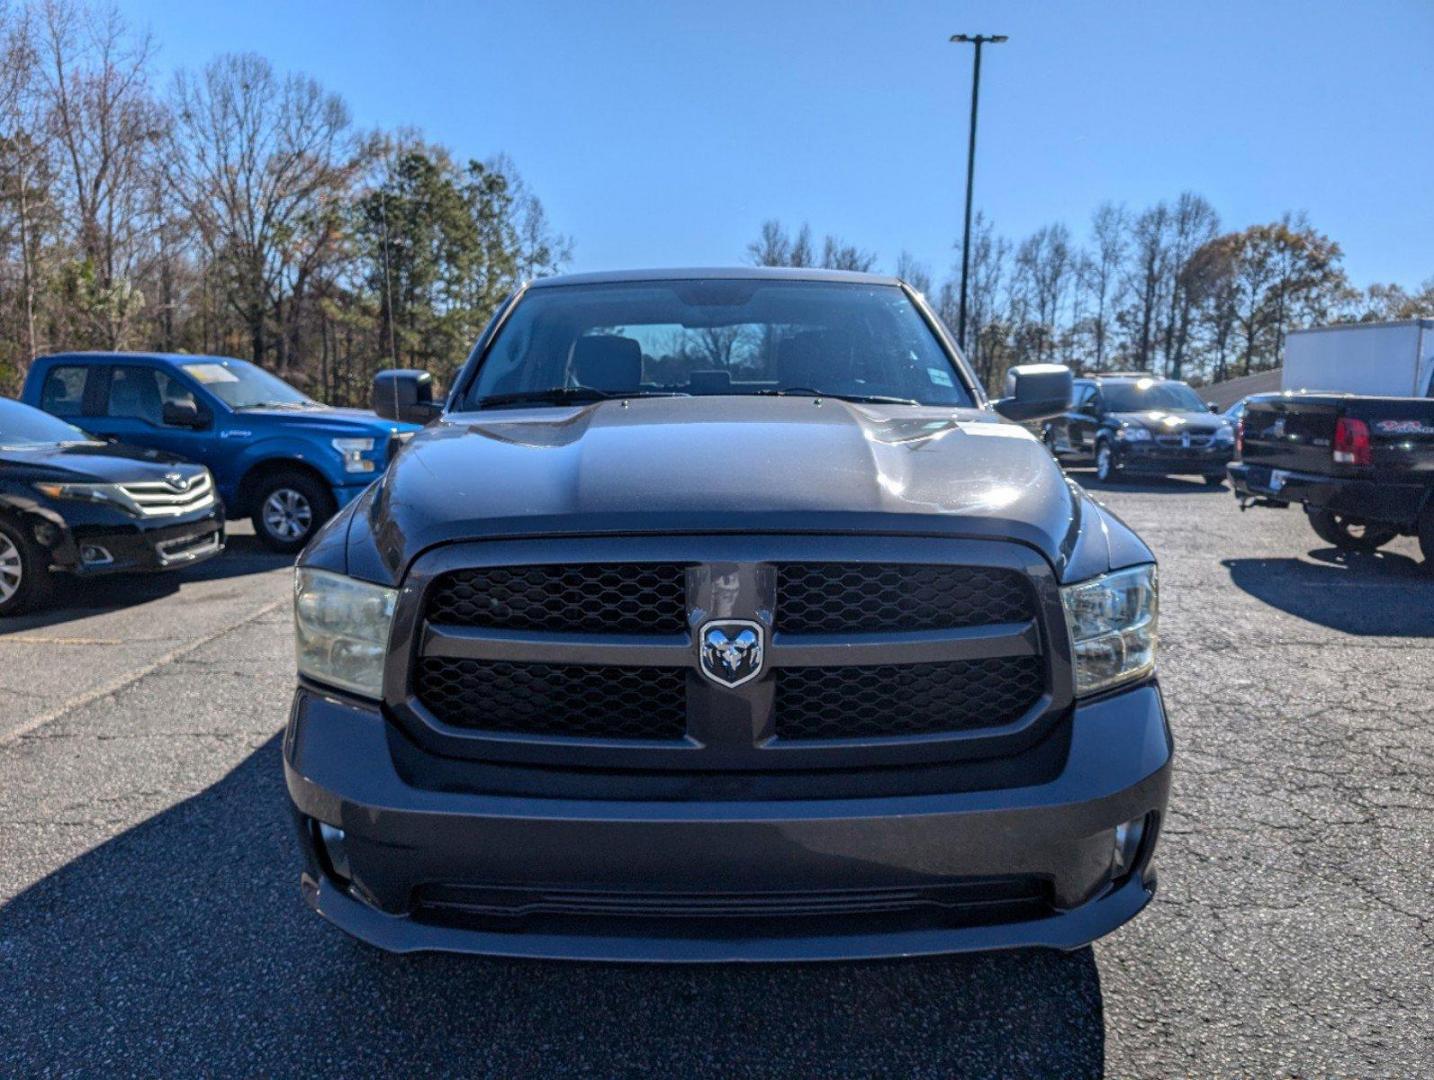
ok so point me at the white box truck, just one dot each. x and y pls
(1387, 359)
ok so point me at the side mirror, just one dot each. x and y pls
(1213, 407)
(184, 414)
(1036, 392)
(405, 395)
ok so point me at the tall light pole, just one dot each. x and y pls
(977, 40)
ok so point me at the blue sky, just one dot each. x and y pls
(663, 134)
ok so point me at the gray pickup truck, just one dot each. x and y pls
(718, 616)
(1361, 467)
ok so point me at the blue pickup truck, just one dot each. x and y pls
(278, 457)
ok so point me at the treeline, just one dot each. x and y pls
(1165, 290)
(235, 210)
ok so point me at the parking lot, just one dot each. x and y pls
(150, 920)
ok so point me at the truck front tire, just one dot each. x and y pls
(1347, 533)
(288, 508)
(1426, 536)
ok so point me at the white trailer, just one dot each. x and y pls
(1387, 359)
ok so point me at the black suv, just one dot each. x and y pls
(721, 617)
(1126, 424)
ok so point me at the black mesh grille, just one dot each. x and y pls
(616, 598)
(556, 699)
(905, 699)
(833, 598)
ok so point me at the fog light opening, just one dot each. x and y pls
(94, 555)
(334, 847)
(1128, 838)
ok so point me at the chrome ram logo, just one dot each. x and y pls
(731, 651)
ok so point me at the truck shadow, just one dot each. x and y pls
(1383, 594)
(77, 598)
(181, 947)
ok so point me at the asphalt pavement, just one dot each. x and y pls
(150, 920)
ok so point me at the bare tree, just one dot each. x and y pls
(915, 273)
(106, 126)
(24, 159)
(1100, 277)
(1147, 277)
(262, 163)
(838, 255)
(1193, 223)
(1045, 266)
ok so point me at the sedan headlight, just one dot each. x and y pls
(341, 629)
(1132, 434)
(101, 493)
(353, 451)
(1113, 627)
(1225, 436)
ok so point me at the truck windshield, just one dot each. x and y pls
(1147, 395)
(575, 343)
(21, 425)
(241, 385)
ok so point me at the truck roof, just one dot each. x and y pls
(114, 355)
(738, 273)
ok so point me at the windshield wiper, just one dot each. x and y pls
(567, 395)
(807, 391)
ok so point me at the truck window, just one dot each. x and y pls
(140, 393)
(64, 391)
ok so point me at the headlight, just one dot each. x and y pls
(1132, 434)
(353, 451)
(110, 494)
(341, 629)
(1113, 627)
(1225, 436)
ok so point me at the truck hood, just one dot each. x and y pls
(717, 464)
(93, 462)
(358, 422)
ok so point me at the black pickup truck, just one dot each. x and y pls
(1362, 467)
(720, 616)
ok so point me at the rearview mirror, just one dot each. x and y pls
(1036, 392)
(1213, 406)
(405, 395)
(182, 414)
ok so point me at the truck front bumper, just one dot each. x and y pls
(416, 868)
(1391, 503)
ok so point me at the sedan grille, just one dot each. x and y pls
(160, 498)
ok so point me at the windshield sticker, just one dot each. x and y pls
(939, 377)
(211, 373)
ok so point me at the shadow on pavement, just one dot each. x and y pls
(76, 598)
(182, 947)
(1156, 485)
(1383, 594)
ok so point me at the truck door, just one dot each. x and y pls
(134, 412)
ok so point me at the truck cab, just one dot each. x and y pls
(277, 456)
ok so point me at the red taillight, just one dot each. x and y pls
(1240, 437)
(1351, 442)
